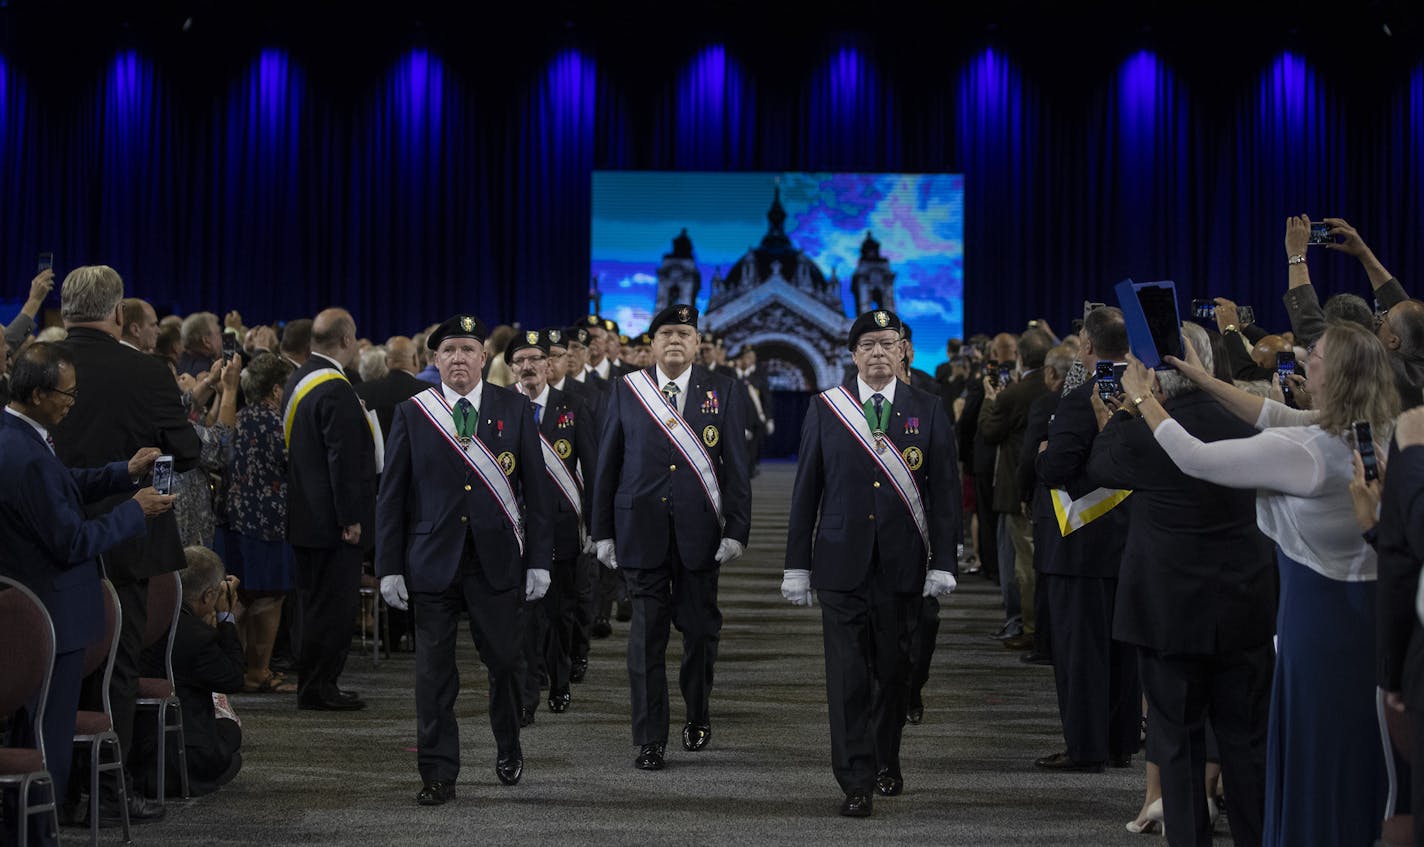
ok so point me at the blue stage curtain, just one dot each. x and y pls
(415, 183)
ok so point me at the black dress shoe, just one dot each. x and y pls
(435, 793)
(1036, 658)
(695, 736)
(1061, 762)
(1022, 641)
(509, 768)
(559, 701)
(1120, 761)
(330, 704)
(579, 670)
(889, 783)
(856, 805)
(346, 695)
(526, 717)
(915, 714)
(601, 628)
(624, 612)
(650, 758)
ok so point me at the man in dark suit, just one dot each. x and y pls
(1096, 676)
(331, 489)
(463, 526)
(568, 439)
(399, 384)
(1196, 595)
(1401, 554)
(672, 502)
(48, 543)
(130, 401)
(877, 488)
(1003, 420)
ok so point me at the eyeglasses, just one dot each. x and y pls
(530, 360)
(557, 355)
(868, 346)
(72, 394)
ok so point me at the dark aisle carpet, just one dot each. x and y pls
(765, 778)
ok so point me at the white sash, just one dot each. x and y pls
(564, 480)
(852, 416)
(431, 403)
(665, 415)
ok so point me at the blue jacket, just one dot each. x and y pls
(47, 543)
(430, 499)
(843, 507)
(642, 479)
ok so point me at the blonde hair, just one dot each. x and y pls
(1358, 384)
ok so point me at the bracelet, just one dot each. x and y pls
(1139, 400)
(1297, 259)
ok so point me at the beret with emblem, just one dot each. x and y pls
(556, 336)
(680, 315)
(644, 340)
(610, 325)
(576, 335)
(523, 340)
(593, 321)
(460, 326)
(875, 321)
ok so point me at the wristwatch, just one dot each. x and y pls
(1229, 328)
(1139, 400)
(1297, 259)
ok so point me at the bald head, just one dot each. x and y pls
(1004, 347)
(1264, 353)
(334, 335)
(401, 354)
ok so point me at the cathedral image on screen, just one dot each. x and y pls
(777, 299)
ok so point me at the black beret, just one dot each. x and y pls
(593, 321)
(576, 335)
(873, 322)
(610, 325)
(523, 340)
(644, 340)
(557, 337)
(460, 326)
(679, 314)
(623, 339)
(708, 338)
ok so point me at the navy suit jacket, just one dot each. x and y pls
(568, 420)
(1401, 551)
(1096, 549)
(431, 499)
(331, 462)
(47, 542)
(858, 508)
(642, 479)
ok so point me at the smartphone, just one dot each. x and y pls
(1204, 309)
(1285, 366)
(1006, 374)
(1246, 315)
(1319, 234)
(1108, 386)
(230, 346)
(1365, 443)
(163, 475)
(46, 262)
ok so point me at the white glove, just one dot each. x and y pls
(536, 584)
(729, 549)
(590, 547)
(939, 583)
(607, 554)
(393, 590)
(770, 427)
(796, 587)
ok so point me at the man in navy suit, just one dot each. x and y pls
(462, 525)
(568, 440)
(47, 542)
(672, 503)
(874, 527)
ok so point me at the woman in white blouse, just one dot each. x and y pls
(1326, 780)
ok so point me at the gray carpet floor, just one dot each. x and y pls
(765, 778)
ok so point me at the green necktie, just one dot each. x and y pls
(877, 412)
(465, 418)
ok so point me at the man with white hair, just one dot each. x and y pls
(202, 343)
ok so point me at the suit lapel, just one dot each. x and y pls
(549, 421)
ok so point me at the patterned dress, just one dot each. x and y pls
(257, 502)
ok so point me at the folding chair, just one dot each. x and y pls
(25, 676)
(96, 729)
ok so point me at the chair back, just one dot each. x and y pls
(101, 652)
(25, 672)
(165, 605)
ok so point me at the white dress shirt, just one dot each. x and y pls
(866, 392)
(44, 433)
(452, 396)
(682, 382)
(335, 364)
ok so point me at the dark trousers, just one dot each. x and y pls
(611, 586)
(922, 647)
(1099, 698)
(1045, 540)
(686, 599)
(328, 591)
(867, 634)
(494, 625)
(586, 572)
(988, 526)
(545, 656)
(1234, 689)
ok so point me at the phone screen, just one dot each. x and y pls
(46, 262)
(163, 475)
(1204, 309)
(229, 346)
(1006, 374)
(1319, 234)
(1285, 366)
(1108, 385)
(1365, 443)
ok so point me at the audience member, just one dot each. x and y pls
(399, 383)
(140, 325)
(295, 346)
(1325, 767)
(202, 343)
(24, 323)
(168, 345)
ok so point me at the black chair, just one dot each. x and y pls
(24, 678)
(95, 730)
(165, 603)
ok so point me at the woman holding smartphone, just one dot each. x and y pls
(1326, 779)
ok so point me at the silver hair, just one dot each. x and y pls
(1174, 384)
(198, 325)
(373, 364)
(1061, 359)
(90, 293)
(204, 570)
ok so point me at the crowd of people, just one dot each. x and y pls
(1218, 557)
